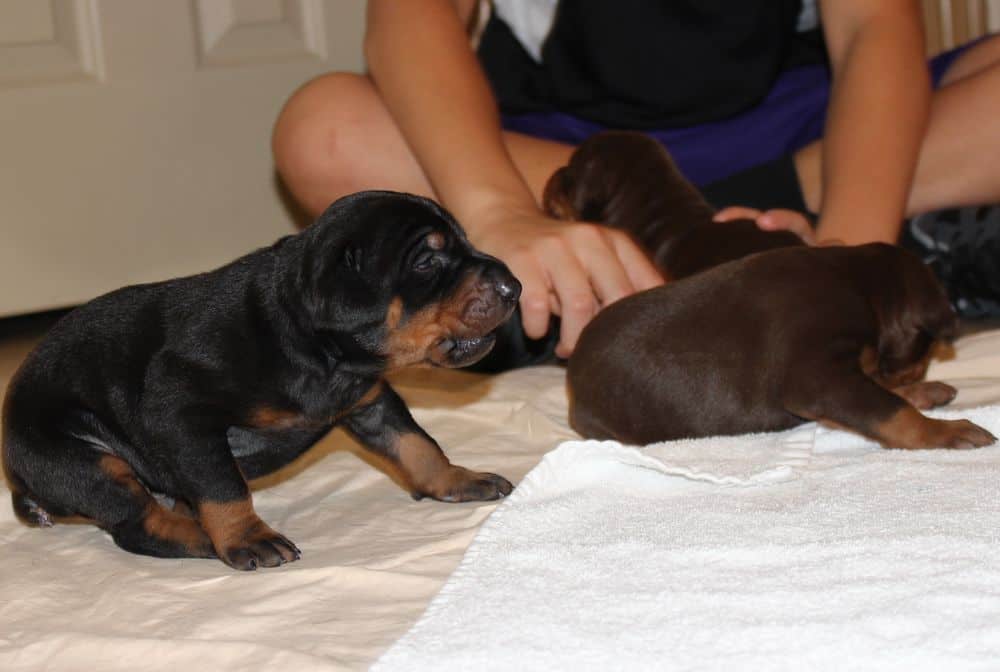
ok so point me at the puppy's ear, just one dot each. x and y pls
(353, 257)
(557, 199)
(913, 312)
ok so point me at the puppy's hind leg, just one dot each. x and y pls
(63, 477)
(840, 394)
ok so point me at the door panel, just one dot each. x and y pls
(135, 135)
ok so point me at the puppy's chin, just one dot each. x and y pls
(453, 353)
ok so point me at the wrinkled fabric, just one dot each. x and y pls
(372, 557)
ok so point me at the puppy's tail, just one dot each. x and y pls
(30, 512)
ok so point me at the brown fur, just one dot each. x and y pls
(762, 333)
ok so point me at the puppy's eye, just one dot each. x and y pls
(424, 262)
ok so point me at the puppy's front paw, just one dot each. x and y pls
(261, 547)
(927, 394)
(960, 434)
(461, 485)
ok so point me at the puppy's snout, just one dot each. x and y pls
(503, 283)
(509, 290)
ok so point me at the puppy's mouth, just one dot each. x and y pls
(481, 317)
(457, 351)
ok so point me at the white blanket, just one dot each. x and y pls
(807, 549)
(372, 557)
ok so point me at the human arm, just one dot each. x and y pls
(430, 81)
(879, 104)
(858, 177)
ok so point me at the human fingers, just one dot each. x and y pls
(736, 212)
(780, 219)
(639, 268)
(535, 292)
(574, 294)
(593, 247)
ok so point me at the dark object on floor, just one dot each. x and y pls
(764, 342)
(962, 247)
(189, 387)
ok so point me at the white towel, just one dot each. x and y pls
(808, 549)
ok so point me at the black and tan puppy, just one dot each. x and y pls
(772, 339)
(190, 387)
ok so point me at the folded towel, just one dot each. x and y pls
(808, 549)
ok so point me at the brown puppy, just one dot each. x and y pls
(840, 335)
(628, 181)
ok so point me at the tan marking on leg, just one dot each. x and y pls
(121, 472)
(429, 473)
(269, 417)
(423, 463)
(910, 429)
(183, 508)
(229, 524)
(240, 538)
(177, 528)
(158, 521)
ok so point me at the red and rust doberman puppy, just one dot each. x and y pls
(185, 389)
(763, 333)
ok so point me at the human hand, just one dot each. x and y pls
(570, 269)
(778, 219)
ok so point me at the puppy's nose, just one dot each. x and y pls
(509, 289)
(501, 281)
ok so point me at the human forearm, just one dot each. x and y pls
(429, 79)
(877, 118)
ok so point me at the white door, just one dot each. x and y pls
(135, 134)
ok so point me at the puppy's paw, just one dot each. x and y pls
(959, 434)
(461, 485)
(262, 547)
(926, 395)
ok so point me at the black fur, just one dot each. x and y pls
(203, 382)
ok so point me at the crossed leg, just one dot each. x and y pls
(334, 136)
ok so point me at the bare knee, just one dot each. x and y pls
(318, 137)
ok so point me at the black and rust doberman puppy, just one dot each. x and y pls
(189, 387)
(764, 342)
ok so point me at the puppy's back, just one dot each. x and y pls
(709, 354)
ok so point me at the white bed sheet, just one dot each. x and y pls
(372, 557)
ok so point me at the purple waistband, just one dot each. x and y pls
(790, 117)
